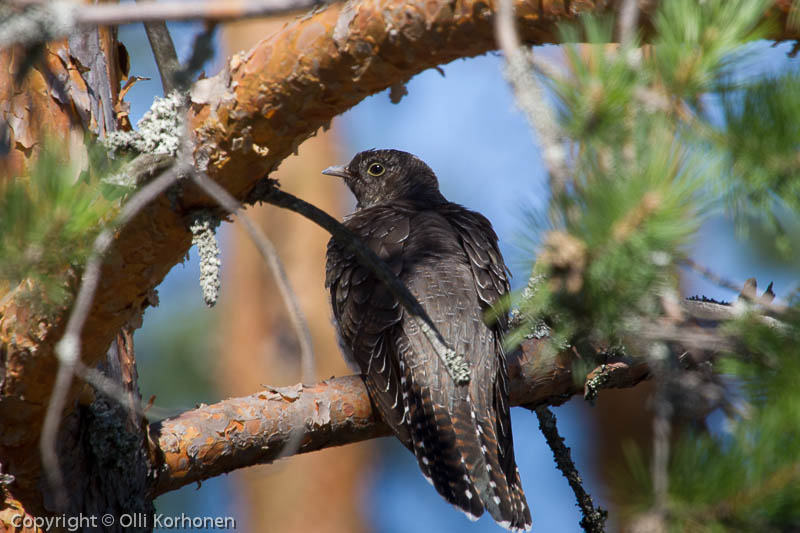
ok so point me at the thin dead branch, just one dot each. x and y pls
(270, 255)
(592, 519)
(163, 50)
(68, 348)
(145, 11)
(531, 97)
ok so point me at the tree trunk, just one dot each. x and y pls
(62, 91)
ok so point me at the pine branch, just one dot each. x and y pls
(241, 432)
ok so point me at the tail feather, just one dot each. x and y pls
(505, 447)
(458, 454)
(436, 448)
(503, 497)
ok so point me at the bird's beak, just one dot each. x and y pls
(337, 170)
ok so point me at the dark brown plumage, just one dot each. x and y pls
(448, 257)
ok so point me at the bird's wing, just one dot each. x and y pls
(442, 433)
(479, 241)
(491, 278)
(366, 312)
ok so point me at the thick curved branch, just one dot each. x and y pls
(241, 432)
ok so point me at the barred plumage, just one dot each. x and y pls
(448, 257)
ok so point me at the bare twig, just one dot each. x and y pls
(163, 50)
(116, 14)
(68, 348)
(592, 520)
(712, 276)
(113, 390)
(270, 255)
(455, 363)
(531, 98)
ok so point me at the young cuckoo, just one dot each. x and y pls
(448, 257)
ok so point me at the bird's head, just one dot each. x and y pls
(383, 176)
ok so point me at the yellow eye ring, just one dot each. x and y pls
(376, 169)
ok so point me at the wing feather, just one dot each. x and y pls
(367, 314)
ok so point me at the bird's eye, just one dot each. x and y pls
(376, 169)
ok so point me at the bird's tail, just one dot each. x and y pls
(458, 451)
(498, 476)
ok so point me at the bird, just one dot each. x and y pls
(449, 259)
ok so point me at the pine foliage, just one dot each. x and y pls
(660, 136)
(49, 219)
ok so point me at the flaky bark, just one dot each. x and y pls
(244, 123)
(253, 430)
(69, 88)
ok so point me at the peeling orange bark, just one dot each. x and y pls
(288, 86)
(241, 432)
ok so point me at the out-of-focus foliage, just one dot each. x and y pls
(660, 137)
(747, 478)
(48, 222)
(174, 358)
(647, 165)
(761, 148)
